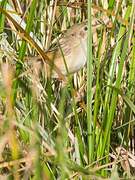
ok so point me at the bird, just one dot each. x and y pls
(70, 54)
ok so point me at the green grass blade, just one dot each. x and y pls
(89, 86)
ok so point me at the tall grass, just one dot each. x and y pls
(81, 127)
(89, 87)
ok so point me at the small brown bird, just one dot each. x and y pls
(70, 54)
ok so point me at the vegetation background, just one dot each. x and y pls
(84, 128)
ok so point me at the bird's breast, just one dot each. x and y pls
(77, 59)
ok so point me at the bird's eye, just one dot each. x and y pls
(72, 34)
(85, 28)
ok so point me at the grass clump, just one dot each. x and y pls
(82, 128)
